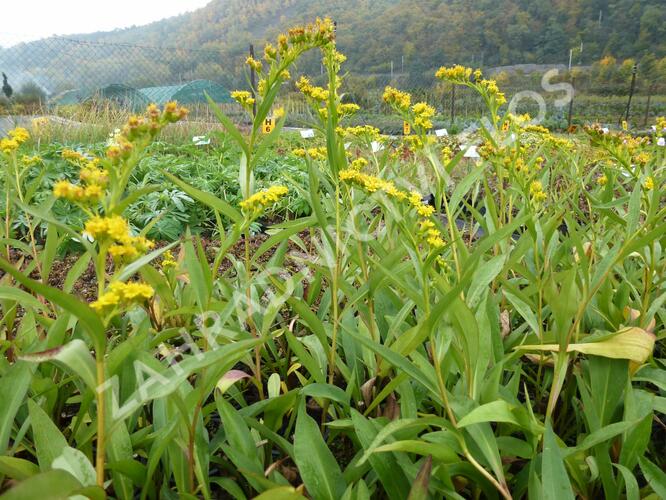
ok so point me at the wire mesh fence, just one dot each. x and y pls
(60, 71)
(64, 70)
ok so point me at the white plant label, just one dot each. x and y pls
(200, 140)
(442, 132)
(472, 152)
(377, 147)
(307, 133)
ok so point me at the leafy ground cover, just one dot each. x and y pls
(353, 316)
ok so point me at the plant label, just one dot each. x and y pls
(442, 132)
(308, 133)
(376, 147)
(472, 152)
(268, 126)
(406, 128)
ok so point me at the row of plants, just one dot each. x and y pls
(427, 326)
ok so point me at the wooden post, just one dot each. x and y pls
(570, 118)
(631, 92)
(253, 78)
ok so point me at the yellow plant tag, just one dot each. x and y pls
(268, 125)
(406, 128)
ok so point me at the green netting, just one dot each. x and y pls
(69, 97)
(122, 95)
(187, 93)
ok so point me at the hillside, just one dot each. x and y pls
(416, 36)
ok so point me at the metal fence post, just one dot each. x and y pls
(631, 92)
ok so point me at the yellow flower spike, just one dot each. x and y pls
(648, 183)
(603, 180)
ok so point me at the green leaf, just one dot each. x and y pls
(438, 451)
(77, 464)
(497, 411)
(17, 468)
(655, 476)
(49, 441)
(207, 199)
(483, 277)
(51, 485)
(386, 467)
(14, 385)
(319, 470)
(281, 493)
(555, 480)
(634, 344)
(228, 125)
(74, 356)
(81, 310)
(419, 489)
(631, 485)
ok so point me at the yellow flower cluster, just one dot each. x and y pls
(310, 91)
(347, 109)
(423, 112)
(94, 181)
(537, 192)
(40, 123)
(314, 153)
(115, 229)
(367, 132)
(15, 138)
(396, 98)
(430, 234)
(321, 33)
(121, 295)
(258, 202)
(30, 160)
(358, 164)
(244, 98)
(490, 88)
(8, 145)
(660, 125)
(456, 74)
(19, 134)
(168, 260)
(254, 64)
(416, 201)
(463, 76)
(603, 180)
(77, 194)
(648, 183)
(73, 156)
(172, 113)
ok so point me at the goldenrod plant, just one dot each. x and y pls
(432, 324)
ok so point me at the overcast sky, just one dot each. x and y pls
(27, 20)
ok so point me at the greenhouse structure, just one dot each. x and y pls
(188, 93)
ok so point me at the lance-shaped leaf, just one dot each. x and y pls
(634, 344)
